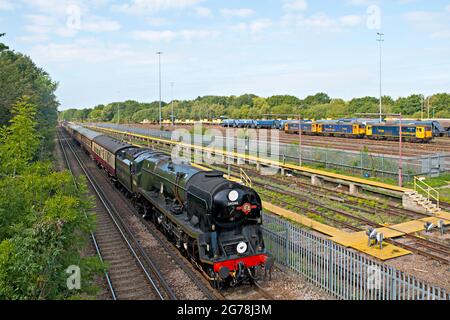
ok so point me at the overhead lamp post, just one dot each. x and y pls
(380, 40)
(422, 107)
(159, 53)
(173, 117)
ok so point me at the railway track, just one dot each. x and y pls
(168, 261)
(132, 274)
(356, 202)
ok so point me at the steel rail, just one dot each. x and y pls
(118, 221)
(169, 248)
(94, 240)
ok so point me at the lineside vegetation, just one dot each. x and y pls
(43, 227)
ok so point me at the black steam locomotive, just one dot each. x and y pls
(213, 221)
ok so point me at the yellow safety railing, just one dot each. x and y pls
(246, 179)
(430, 192)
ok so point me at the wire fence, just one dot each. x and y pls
(361, 163)
(342, 273)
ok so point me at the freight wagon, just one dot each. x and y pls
(245, 123)
(266, 124)
(228, 123)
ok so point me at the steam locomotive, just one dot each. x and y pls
(213, 221)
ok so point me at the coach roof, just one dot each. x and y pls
(91, 135)
(110, 144)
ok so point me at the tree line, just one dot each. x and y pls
(249, 106)
(43, 227)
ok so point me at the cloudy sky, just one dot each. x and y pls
(105, 50)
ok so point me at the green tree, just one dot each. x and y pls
(440, 103)
(409, 105)
(318, 98)
(363, 105)
(19, 77)
(283, 99)
(20, 140)
(3, 47)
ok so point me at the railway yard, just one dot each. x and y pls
(331, 209)
(438, 145)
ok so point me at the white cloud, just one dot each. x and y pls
(37, 23)
(40, 27)
(359, 2)
(254, 27)
(295, 5)
(97, 24)
(157, 22)
(150, 35)
(203, 12)
(351, 20)
(169, 35)
(239, 27)
(241, 13)
(322, 21)
(435, 23)
(61, 7)
(83, 50)
(259, 25)
(6, 5)
(143, 7)
(447, 8)
(54, 7)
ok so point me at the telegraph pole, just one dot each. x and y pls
(173, 117)
(380, 40)
(159, 53)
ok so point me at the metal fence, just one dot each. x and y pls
(363, 163)
(342, 273)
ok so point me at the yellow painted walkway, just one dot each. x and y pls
(357, 240)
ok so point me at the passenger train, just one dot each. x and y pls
(214, 222)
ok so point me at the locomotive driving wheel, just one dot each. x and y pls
(214, 279)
